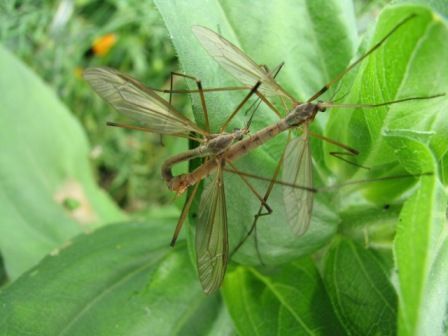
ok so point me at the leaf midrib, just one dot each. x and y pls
(279, 296)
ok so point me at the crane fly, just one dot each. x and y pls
(211, 230)
(296, 156)
(140, 103)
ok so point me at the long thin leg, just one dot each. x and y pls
(285, 106)
(353, 152)
(170, 101)
(263, 205)
(201, 94)
(391, 102)
(256, 104)
(340, 155)
(260, 212)
(359, 60)
(269, 179)
(252, 91)
(171, 86)
(275, 72)
(201, 91)
(220, 89)
(340, 98)
(372, 180)
(240, 105)
(328, 188)
(268, 103)
(249, 185)
(183, 215)
(132, 127)
(322, 189)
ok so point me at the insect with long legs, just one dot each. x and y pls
(141, 103)
(211, 234)
(296, 157)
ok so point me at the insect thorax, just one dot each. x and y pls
(301, 113)
(221, 142)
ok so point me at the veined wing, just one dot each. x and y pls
(298, 171)
(212, 247)
(236, 62)
(133, 99)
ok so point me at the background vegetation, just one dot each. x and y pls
(55, 40)
(124, 279)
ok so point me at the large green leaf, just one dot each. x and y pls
(434, 306)
(420, 243)
(287, 300)
(304, 35)
(47, 192)
(360, 290)
(123, 279)
(409, 64)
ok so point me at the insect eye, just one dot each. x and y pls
(320, 107)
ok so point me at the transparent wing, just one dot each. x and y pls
(133, 99)
(298, 170)
(236, 62)
(212, 247)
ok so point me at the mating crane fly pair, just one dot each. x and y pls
(218, 151)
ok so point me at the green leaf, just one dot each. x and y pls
(360, 290)
(270, 32)
(439, 6)
(419, 242)
(434, 307)
(123, 279)
(287, 300)
(407, 65)
(43, 165)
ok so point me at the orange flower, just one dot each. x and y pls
(103, 44)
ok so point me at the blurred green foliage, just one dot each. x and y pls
(55, 38)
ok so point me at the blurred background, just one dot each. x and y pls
(58, 39)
